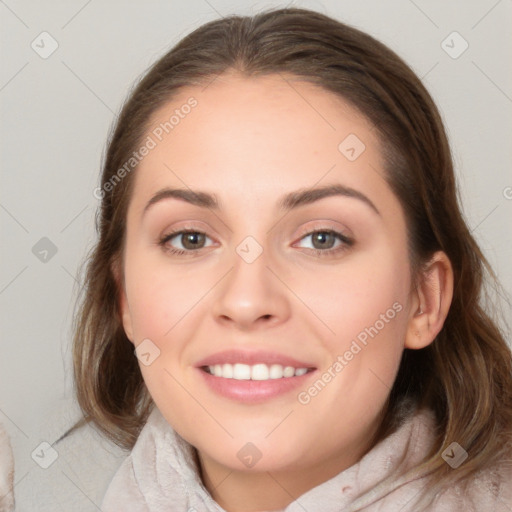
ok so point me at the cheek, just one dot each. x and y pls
(159, 299)
(356, 296)
(365, 307)
(158, 296)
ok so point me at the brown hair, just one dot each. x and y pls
(464, 376)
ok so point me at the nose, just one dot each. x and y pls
(251, 296)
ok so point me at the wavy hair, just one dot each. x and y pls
(464, 376)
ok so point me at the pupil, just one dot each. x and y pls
(191, 240)
(322, 237)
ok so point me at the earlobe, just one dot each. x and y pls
(125, 314)
(123, 302)
(431, 303)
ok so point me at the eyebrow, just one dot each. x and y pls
(287, 202)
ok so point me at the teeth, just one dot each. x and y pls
(260, 371)
(288, 371)
(227, 371)
(241, 372)
(276, 371)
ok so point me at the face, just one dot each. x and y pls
(296, 300)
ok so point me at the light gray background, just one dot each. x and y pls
(56, 113)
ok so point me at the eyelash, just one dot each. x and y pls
(346, 242)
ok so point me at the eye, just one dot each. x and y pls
(324, 241)
(190, 240)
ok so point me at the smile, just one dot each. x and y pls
(259, 372)
(254, 375)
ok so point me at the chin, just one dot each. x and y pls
(258, 455)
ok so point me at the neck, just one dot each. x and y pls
(257, 491)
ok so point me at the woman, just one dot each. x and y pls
(283, 308)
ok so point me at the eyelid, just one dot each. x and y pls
(173, 233)
(187, 226)
(325, 225)
(325, 230)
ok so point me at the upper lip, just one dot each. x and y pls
(252, 357)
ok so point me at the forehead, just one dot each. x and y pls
(270, 133)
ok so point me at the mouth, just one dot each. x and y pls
(253, 376)
(259, 372)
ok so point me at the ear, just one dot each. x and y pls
(124, 309)
(430, 302)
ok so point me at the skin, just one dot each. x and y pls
(250, 141)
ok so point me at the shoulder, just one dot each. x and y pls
(488, 490)
(74, 472)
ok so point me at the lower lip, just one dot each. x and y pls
(253, 391)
